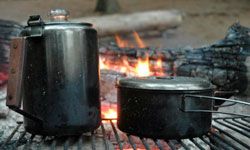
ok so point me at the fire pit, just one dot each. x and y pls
(222, 63)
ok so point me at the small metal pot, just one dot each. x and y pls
(169, 108)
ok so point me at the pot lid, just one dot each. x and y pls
(166, 83)
(57, 17)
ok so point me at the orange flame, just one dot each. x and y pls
(102, 64)
(159, 68)
(109, 111)
(138, 40)
(142, 67)
(109, 114)
(159, 63)
(120, 42)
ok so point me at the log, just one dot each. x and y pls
(224, 66)
(225, 63)
(107, 6)
(127, 23)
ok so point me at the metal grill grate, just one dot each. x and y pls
(226, 133)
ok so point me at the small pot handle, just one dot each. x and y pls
(225, 93)
(203, 97)
(15, 82)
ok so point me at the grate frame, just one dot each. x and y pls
(217, 138)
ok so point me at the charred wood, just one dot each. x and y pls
(107, 6)
(223, 63)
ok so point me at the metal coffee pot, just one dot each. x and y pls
(54, 71)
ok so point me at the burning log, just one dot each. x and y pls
(223, 63)
(141, 21)
(225, 70)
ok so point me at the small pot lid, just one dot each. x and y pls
(166, 83)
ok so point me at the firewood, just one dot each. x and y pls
(127, 23)
(107, 6)
(225, 63)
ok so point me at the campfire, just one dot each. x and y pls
(126, 58)
(142, 67)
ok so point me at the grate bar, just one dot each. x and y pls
(183, 144)
(236, 117)
(105, 142)
(158, 143)
(66, 144)
(232, 127)
(116, 135)
(53, 145)
(131, 142)
(213, 147)
(42, 141)
(93, 141)
(29, 142)
(225, 141)
(144, 142)
(20, 138)
(220, 144)
(79, 143)
(171, 144)
(245, 120)
(242, 123)
(232, 137)
(237, 125)
(12, 134)
(197, 144)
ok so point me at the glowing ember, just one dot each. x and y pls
(109, 111)
(159, 68)
(158, 63)
(110, 114)
(102, 65)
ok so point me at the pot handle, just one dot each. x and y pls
(15, 82)
(225, 93)
(209, 98)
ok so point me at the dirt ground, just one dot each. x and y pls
(205, 21)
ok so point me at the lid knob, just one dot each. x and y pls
(59, 14)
